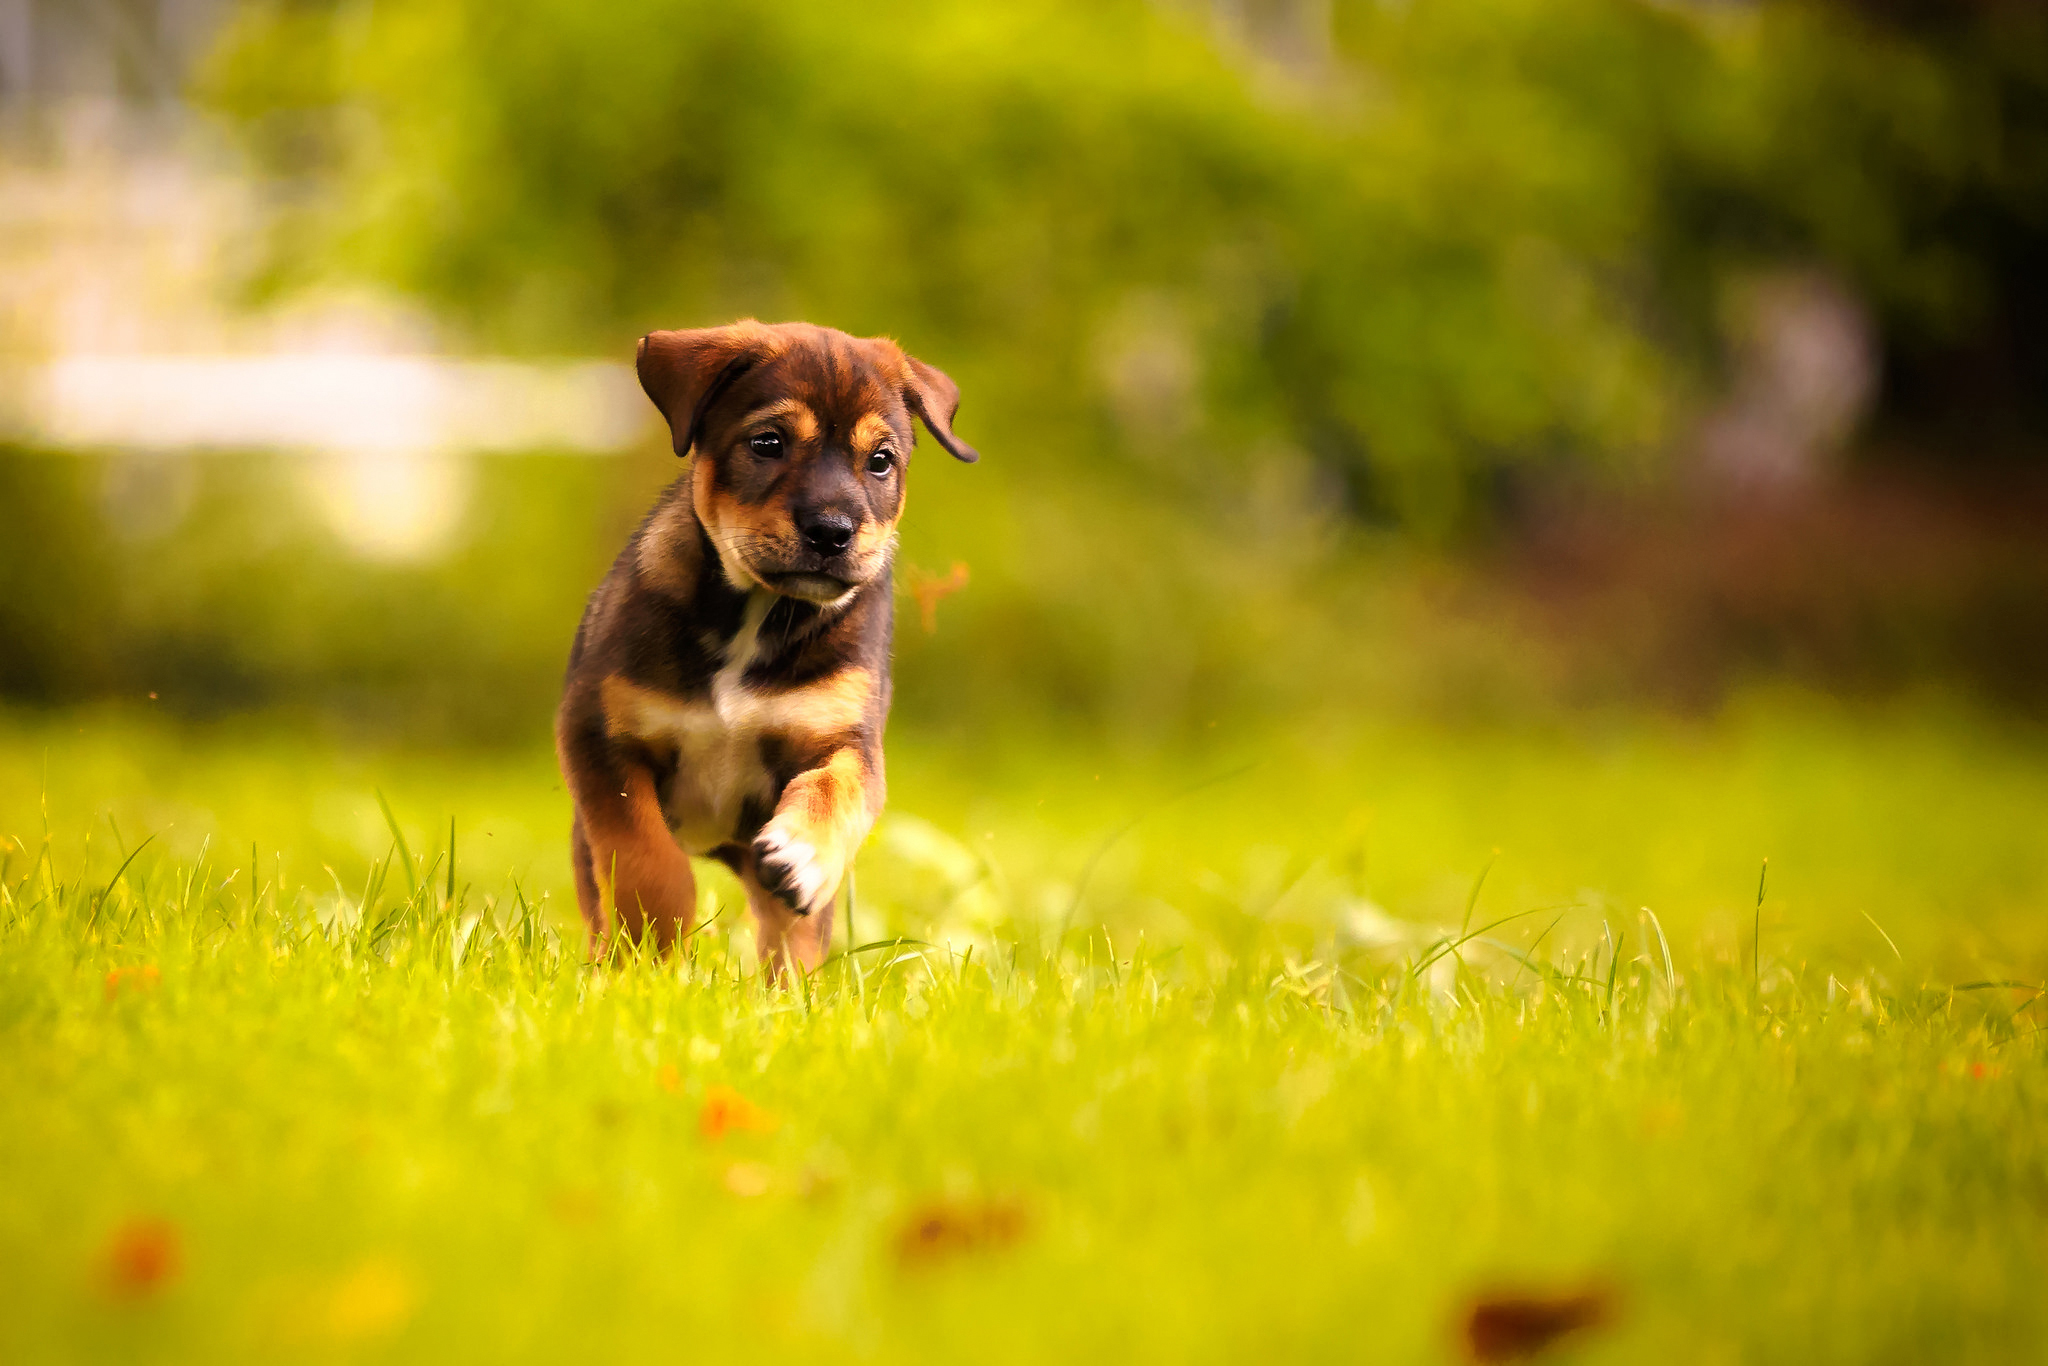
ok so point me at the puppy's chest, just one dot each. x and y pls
(709, 739)
(718, 786)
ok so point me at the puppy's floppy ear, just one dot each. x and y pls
(933, 396)
(683, 372)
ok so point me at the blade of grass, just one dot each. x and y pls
(1613, 967)
(101, 900)
(1472, 899)
(1670, 977)
(851, 938)
(1756, 940)
(1444, 946)
(1525, 959)
(1088, 868)
(398, 837)
(1887, 938)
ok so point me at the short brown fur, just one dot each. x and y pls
(729, 683)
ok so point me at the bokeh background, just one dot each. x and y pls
(1596, 440)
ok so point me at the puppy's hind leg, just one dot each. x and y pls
(587, 899)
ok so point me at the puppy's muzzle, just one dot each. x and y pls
(824, 567)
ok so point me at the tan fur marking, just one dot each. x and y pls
(827, 808)
(797, 414)
(717, 767)
(716, 740)
(669, 556)
(871, 431)
(730, 523)
(830, 706)
(875, 538)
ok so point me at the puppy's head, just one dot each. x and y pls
(802, 437)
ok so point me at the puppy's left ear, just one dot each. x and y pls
(933, 396)
(684, 372)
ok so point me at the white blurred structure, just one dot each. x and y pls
(1805, 373)
(335, 402)
(389, 433)
(134, 50)
(124, 227)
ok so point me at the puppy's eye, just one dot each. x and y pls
(881, 462)
(766, 443)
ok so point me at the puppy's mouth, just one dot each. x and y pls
(794, 571)
(811, 587)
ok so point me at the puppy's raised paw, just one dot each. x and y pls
(793, 871)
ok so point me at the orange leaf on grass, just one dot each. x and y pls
(142, 1256)
(135, 979)
(726, 1110)
(930, 590)
(1516, 1326)
(943, 1229)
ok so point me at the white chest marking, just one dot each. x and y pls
(728, 698)
(717, 740)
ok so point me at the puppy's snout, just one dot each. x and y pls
(828, 533)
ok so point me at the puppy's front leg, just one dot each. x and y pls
(627, 863)
(801, 856)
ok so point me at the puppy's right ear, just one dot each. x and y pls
(684, 372)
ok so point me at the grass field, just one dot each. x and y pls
(1193, 1060)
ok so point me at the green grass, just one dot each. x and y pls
(1246, 1108)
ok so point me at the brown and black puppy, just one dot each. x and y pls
(729, 683)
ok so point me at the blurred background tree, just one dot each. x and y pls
(1288, 327)
(1424, 242)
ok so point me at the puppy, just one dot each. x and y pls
(729, 683)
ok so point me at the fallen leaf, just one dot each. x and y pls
(726, 1110)
(1515, 1326)
(943, 1229)
(930, 590)
(142, 1256)
(134, 979)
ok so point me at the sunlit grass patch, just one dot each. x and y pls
(419, 1125)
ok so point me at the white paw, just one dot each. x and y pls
(791, 869)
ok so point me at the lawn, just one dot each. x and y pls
(1193, 1058)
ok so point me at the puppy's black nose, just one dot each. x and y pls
(828, 533)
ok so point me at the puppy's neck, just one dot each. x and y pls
(746, 646)
(754, 625)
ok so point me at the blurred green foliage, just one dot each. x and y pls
(244, 597)
(248, 599)
(1456, 239)
(1251, 330)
